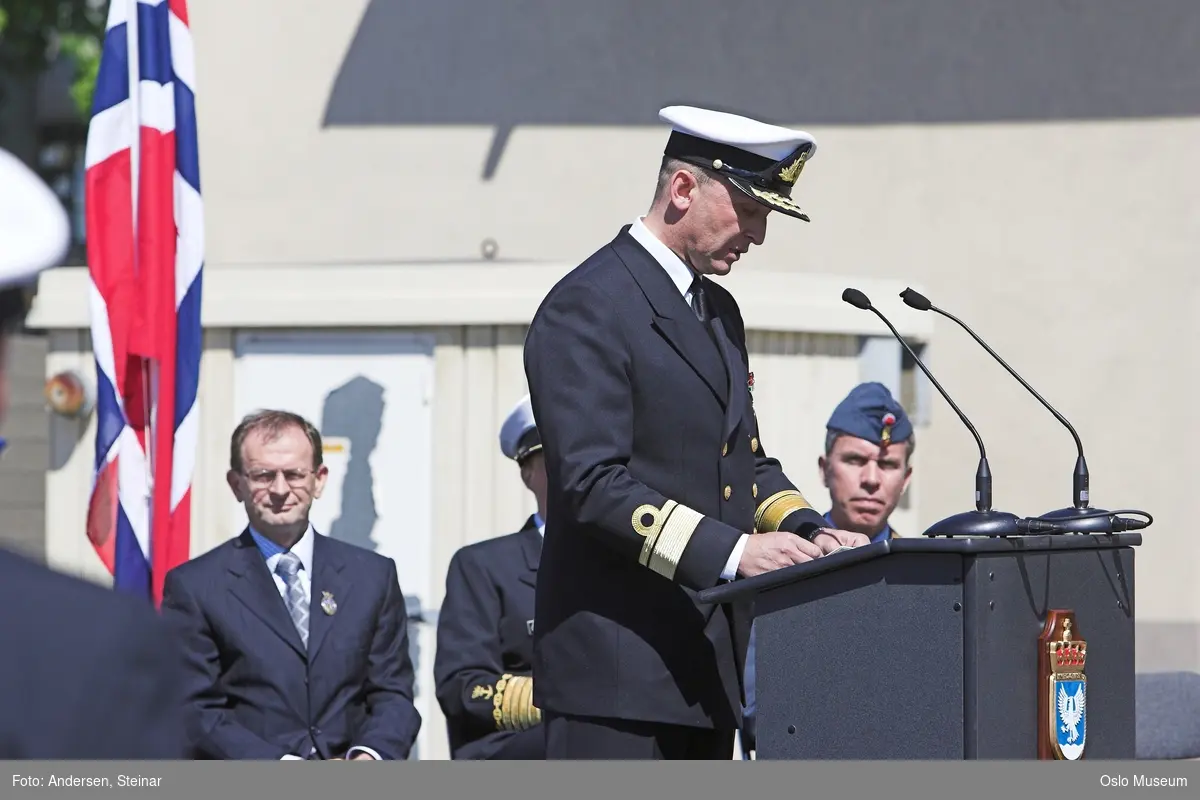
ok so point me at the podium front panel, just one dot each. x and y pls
(863, 664)
(1008, 597)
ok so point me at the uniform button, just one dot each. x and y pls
(725, 448)
(754, 489)
(754, 445)
(728, 491)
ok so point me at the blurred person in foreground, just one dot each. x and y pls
(296, 644)
(658, 483)
(869, 442)
(484, 662)
(85, 672)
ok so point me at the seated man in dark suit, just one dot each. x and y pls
(295, 644)
(485, 627)
(85, 673)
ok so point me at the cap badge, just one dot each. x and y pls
(790, 173)
(888, 421)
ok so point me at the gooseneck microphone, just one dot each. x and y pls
(984, 520)
(1078, 517)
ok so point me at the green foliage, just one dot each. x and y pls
(33, 33)
(84, 50)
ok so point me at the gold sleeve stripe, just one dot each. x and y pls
(666, 535)
(512, 707)
(674, 539)
(530, 714)
(772, 511)
(650, 533)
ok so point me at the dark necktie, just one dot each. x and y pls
(698, 304)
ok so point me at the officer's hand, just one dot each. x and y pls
(770, 551)
(830, 539)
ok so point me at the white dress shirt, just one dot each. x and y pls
(303, 549)
(682, 276)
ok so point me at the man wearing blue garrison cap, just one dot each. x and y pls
(868, 444)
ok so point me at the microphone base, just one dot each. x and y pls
(976, 523)
(1080, 520)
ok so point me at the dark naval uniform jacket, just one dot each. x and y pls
(655, 467)
(485, 649)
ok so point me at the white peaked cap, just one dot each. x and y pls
(760, 138)
(518, 434)
(762, 160)
(34, 229)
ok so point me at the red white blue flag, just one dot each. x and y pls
(145, 242)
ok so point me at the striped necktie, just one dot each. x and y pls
(288, 568)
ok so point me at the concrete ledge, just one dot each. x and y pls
(470, 293)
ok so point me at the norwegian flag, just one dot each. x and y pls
(145, 241)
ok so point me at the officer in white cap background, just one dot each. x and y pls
(85, 673)
(482, 668)
(658, 481)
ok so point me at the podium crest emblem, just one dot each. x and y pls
(1064, 689)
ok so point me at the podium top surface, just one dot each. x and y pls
(745, 588)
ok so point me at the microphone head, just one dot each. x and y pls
(856, 298)
(914, 299)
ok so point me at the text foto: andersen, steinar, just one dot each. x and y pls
(93, 781)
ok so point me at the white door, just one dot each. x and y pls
(371, 397)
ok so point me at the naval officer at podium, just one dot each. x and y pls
(656, 470)
(869, 442)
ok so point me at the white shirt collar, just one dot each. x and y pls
(680, 273)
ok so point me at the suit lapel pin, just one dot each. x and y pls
(328, 604)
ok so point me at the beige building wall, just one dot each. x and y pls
(1070, 246)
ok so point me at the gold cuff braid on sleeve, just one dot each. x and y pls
(512, 705)
(772, 511)
(666, 536)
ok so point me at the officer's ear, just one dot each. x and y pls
(823, 468)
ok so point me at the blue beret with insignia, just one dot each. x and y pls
(870, 412)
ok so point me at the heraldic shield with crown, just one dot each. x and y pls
(1063, 682)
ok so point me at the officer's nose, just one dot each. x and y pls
(756, 229)
(870, 476)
